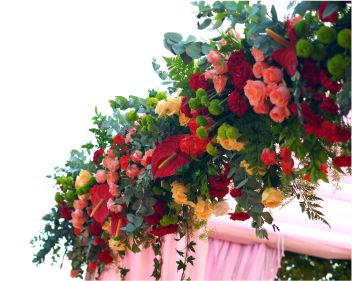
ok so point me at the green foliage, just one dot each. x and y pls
(301, 267)
(179, 72)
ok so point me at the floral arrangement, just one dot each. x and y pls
(260, 117)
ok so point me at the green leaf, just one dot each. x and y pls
(173, 36)
(194, 50)
(242, 183)
(230, 6)
(204, 24)
(218, 23)
(273, 13)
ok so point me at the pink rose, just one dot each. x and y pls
(112, 164)
(112, 207)
(78, 219)
(278, 114)
(112, 177)
(255, 91)
(257, 54)
(137, 155)
(280, 96)
(261, 108)
(210, 74)
(221, 69)
(133, 171)
(258, 68)
(222, 42)
(113, 189)
(214, 57)
(219, 83)
(272, 75)
(100, 176)
(79, 204)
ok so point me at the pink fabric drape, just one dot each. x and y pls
(232, 261)
(215, 260)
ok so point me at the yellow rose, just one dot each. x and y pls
(173, 106)
(231, 144)
(203, 210)
(221, 208)
(179, 193)
(183, 119)
(161, 108)
(83, 177)
(272, 197)
(116, 245)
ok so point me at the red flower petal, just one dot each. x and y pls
(287, 58)
(167, 157)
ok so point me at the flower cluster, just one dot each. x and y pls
(260, 119)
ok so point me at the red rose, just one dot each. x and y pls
(242, 73)
(219, 184)
(185, 109)
(333, 133)
(193, 126)
(329, 18)
(236, 192)
(235, 59)
(118, 139)
(95, 229)
(192, 145)
(97, 155)
(65, 211)
(197, 81)
(309, 73)
(268, 157)
(285, 153)
(342, 161)
(164, 230)
(105, 257)
(92, 266)
(237, 104)
(332, 86)
(124, 160)
(293, 109)
(100, 242)
(287, 166)
(239, 216)
(328, 106)
(77, 231)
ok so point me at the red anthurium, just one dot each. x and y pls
(100, 196)
(167, 157)
(287, 58)
(117, 221)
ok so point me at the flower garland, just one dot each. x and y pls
(261, 118)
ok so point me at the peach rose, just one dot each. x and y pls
(219, 83)
(214, 57)
(258, 68)
(83, 178)
(161, 108)
(257, 54)
(113, 189)
(112, 177)
(203, 209)
(183, 119)
(78, 219)
(278, 114)
(255, 91)
(261, 108)
(280, 96)
(209, 74)
(230, 144)
(179, 193)
(272, 75)
(272, 197)
(79, 204)
(111, 163)
(221, 208)
(100, 176)
(221, 68)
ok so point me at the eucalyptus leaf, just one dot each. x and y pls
(194, 50)
(173, 36)
(204, 24)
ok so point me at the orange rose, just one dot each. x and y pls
(280, 96)
(278, 114)
(272, 197)
(272, 75)
(179, 193)
(203, 209)
(258, 68)
(257, 54)
(255, 91)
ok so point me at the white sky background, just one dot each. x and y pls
(58, 59)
